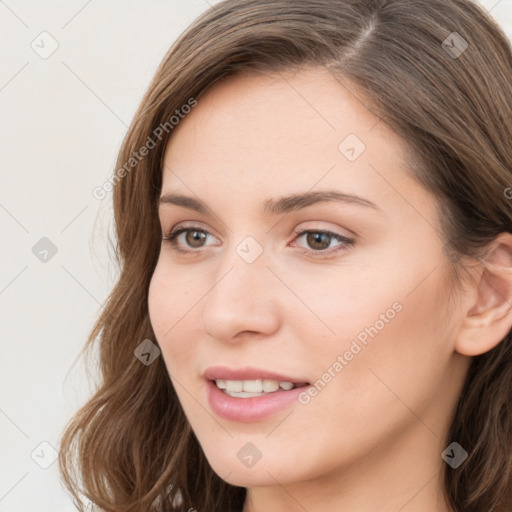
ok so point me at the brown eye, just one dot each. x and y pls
(318, 240)
(195, 238)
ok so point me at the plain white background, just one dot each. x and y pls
(63, 117)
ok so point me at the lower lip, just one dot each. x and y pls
(246, 410)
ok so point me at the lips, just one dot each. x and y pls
(246, 406)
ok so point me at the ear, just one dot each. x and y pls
(489, 316)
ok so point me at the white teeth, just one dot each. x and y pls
(221, 383)
(253, 386)
(270, 385)
(249, 388)
(234, 385)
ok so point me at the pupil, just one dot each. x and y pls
(195, 236)
(315, 238)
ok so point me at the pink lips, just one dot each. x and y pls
(249, 409)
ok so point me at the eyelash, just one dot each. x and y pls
(348, 242)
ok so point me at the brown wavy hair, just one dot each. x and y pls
(130, 447)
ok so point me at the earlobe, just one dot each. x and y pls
(489, 318)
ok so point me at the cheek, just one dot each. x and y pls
(392, 307)
(170, 312)
(391, 341)
(170, 296)
(160, 301)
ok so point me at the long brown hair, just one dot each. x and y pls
(130, 447)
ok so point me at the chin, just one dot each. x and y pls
(239, 476)
(232, 467)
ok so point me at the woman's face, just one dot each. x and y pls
(356, 308)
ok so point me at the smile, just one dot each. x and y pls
(252, 388)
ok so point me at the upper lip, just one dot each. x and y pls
(248, 373)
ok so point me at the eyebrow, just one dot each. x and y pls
(276, 206)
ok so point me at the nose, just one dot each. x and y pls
(243, 300)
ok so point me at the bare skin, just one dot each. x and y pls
(372, 437)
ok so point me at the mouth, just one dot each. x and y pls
(250, 394)
(254, 388)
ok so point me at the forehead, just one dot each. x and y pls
(246, 110)
(285, 133)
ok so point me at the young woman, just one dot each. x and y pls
(314, 227)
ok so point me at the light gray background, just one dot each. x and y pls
(62, 121)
